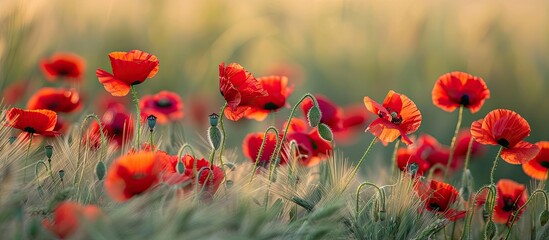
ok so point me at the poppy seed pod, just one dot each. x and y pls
(151, 120)
(214, 119)
(49, 151)
(62, 174)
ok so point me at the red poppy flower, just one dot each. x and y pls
(331, 113)
(252, 144)
(67, 218)
(435, 153)
(129, 68)
(57, 100)
(40, 121)
(406, 157)
(117, 126)
(277, 92)
(458, 88)
(132, 174)
(507, 129)
(538, 167)
(209, 182)
(311, 148)
(63, 65)
(510, 197)
(14, 92)
(439, 197)
(239, 88)
(398, 116)
(166, 106)
(353, 118)
(462, 144)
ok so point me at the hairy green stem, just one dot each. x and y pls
(138, 116)
(257, 159)
(221, 114)
(515, 213)
(469, 217)
(353, 173)
(380, 192)
(394, 164)
(494, 166)
(452, 144)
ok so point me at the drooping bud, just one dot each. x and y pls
(314, 115)
(49, 151)
(544, 217)
(61, 174)
(151, 120)
(490, 230)
(12, 139)
(325, 132)
(180, 167)
(467, 184)
(214, 119)
(215, 137)
(100, 170)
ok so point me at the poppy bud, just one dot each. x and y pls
(490, 230)
(151, 120)
(314, 115)
(49, 151)
(215, 137)
(100, 170)
(180, 167)
(214, 119)
(544, 217)
(325, 132)
(61, 174)
(12, 139)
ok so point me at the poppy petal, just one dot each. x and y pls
(480, 134)
(111, 84)
(384, 130)
(521, 153)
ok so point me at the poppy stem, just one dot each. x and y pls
(292, 113)
(394, 158)
(27, 156)
(494, 166)
(515, 213)
(257, 159)
(469, 217)
(380, 193)
(151, 138)
(352, 176)
(453, 143)
(222, 126)
(138, 113)
(468, 154)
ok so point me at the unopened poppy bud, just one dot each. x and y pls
(180, 167)
(12, 139)
(314, 115)
(325, 132)
(214, 119)
(214, 135)
(49, 151)
(151, 120)
(544, 217)
(61, 174)
(100, 170)
(490, 230)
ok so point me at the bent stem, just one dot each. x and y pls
(452, 144)
(469, 217)
(359, 163)
(138, 117)
(380, 192)
(257, 159)
(276, 153)
(517, 212)
(221, 114)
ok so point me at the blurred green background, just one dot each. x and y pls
(342, 49)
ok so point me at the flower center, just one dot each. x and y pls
(544, 164)
(63, 72)
(508, 204)
(30, 130)
(465, 101)
(164, 103)
(138, 176)
(395, 118)
(503, 142)
(270, 106)
(435, 206)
